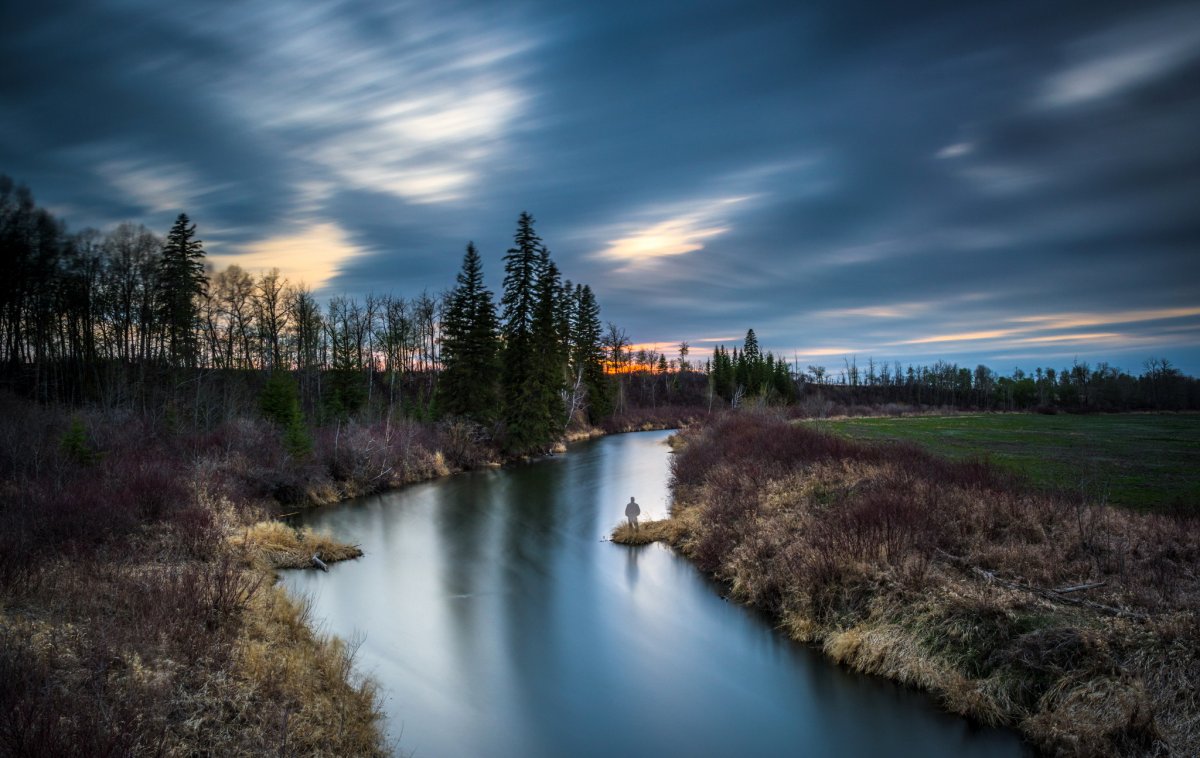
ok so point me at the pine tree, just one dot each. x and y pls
(588, 354)
(280, 403)
(547, 412)
(467, 386)
(722, 373)
(181, 282)
(530, 342)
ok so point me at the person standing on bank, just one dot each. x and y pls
(632, 511)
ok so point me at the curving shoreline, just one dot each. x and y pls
(951, 578)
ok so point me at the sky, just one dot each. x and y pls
(1015, 184)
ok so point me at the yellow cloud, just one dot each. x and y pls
(683, 233)
(313, 256)
(817, 352)
(963, 336)
(1075, 320)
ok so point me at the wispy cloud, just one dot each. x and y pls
(416, 116)
(1064, 329)
(156, 187)
(1076, 320)
(956, 150)
(884, 312)
(683, 232)
(312, 256)
(1123, 59)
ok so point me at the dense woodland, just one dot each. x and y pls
(128, 319)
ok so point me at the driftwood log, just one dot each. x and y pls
(316, 561)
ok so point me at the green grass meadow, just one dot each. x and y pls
(1143, 461)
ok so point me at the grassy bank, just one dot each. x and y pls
(137, 608)
(138, 612)
(1146, 461)
(1074, 623)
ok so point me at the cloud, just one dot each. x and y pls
(885, 312)
(1124, 58)
(1076, 320)
(686, 232)
(956, 150)
(417, 117)
(1058, 329)
(154, 187)
(313, 255)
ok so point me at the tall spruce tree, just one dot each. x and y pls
(547, 413)
(467, 386)
(588, 353)
(523, 383)
(181, 282)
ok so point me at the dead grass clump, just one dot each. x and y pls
(275, 545)
(1096, 716)
(662, 530)
(319, 704)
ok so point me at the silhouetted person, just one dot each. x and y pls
(631, 512)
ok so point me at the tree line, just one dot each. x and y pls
(115, 317)
(131, 318)
(747, 374)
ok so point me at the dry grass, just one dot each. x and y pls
(665, 530)
(275, 545)
(942, 575)
(137, 615)
(116, 657)
(324, 707)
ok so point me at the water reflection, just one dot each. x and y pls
(501, 624)
(631, 570)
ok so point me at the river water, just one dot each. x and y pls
(500, 624)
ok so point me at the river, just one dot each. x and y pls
(499, 623)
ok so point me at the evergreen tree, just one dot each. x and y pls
(722, 373)
(588, 353)
(530, 343)
(750, 348)
(467, 386)
(280, 403)
(547, 412)
(182, 282)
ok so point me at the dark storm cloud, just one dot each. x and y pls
(1004, 182)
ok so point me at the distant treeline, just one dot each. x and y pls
(737, 377)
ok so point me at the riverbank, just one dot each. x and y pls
(137, 569)
(1074, 623)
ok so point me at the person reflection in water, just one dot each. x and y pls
(632, 511)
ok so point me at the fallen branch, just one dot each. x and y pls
(1050, 594)
(316, 561)
(1079, 587)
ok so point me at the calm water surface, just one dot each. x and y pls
(499, 624)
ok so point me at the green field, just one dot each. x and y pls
(1144, 461)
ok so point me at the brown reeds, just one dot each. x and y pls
(954, 578)
(275, 545)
